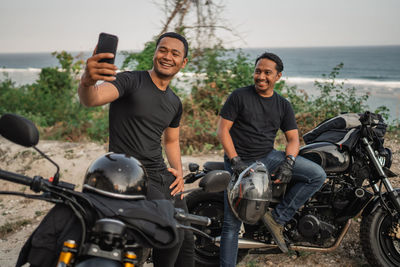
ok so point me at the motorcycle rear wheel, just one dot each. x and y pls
(212, 206)
(378, 246)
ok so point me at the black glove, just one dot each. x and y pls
(238, 166)
(283, 174)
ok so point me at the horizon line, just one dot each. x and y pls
(271, 47)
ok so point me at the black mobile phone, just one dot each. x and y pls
(107, 44)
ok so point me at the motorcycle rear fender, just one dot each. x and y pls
(375, 203)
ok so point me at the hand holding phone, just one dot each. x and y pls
(107, 44)
(95, 69)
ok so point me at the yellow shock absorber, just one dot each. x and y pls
(67, 253)
(129, 259)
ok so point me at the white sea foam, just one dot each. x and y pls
(381, 92)
(389, 85)
(20, 76)
(361, 82)
(27, 70)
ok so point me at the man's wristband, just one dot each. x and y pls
(291, 159)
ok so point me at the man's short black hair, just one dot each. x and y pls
(176, 36)
(274, 58)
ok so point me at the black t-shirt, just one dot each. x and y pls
(256, 120)
(139, 117)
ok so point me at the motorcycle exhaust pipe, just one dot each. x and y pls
(328, 249)
(246, 243)
(249, 244)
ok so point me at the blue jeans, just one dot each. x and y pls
(307, 179)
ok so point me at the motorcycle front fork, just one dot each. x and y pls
(392, 193)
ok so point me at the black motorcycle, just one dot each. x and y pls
(93, 230)
(357, 166)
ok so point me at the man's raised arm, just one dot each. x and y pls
(92, 95)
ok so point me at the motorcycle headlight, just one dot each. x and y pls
(388, 160)
(385, 158)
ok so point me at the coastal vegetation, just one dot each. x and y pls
(52, 103)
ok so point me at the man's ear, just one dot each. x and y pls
(185, 61)
(279, 76)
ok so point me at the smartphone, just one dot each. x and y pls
(107, 44)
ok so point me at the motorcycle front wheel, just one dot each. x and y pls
(210, 205)
(380, 245)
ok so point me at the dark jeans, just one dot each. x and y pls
(182, 255)
(307, 179)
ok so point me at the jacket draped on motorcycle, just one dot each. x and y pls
(150, 224)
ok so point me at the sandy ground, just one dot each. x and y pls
(74, 158)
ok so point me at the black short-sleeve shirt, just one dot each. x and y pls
(256, 120)
(139, 117)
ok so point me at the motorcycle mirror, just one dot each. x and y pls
(19, 130)
(193, 167)
(22, 131)
(215, 181)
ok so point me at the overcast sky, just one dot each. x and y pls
(74, 25)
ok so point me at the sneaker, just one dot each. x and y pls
(276, 230)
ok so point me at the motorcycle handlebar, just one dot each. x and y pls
(15, 178)
(181, 215)
(37, 183)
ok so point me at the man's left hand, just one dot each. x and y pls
(178, 183)
(284, 173)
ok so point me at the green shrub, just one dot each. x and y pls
(219, 75)
(52, 103)
(140, 60)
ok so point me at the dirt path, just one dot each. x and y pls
(19, 216)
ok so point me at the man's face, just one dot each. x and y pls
(169, 57)
(265, 75)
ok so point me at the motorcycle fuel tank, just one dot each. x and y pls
(327, 155)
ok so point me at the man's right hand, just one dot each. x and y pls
(238, 166)
(95, 71)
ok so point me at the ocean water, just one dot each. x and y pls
(374, 70)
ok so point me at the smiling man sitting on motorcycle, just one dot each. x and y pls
(249, 121)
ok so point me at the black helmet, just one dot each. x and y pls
(250, 193)
(118, 176)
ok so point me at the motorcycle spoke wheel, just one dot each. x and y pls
(212, 206)
(215, 211)
(380, 245)
(390, 244)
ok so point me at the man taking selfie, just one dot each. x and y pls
(143, 109)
